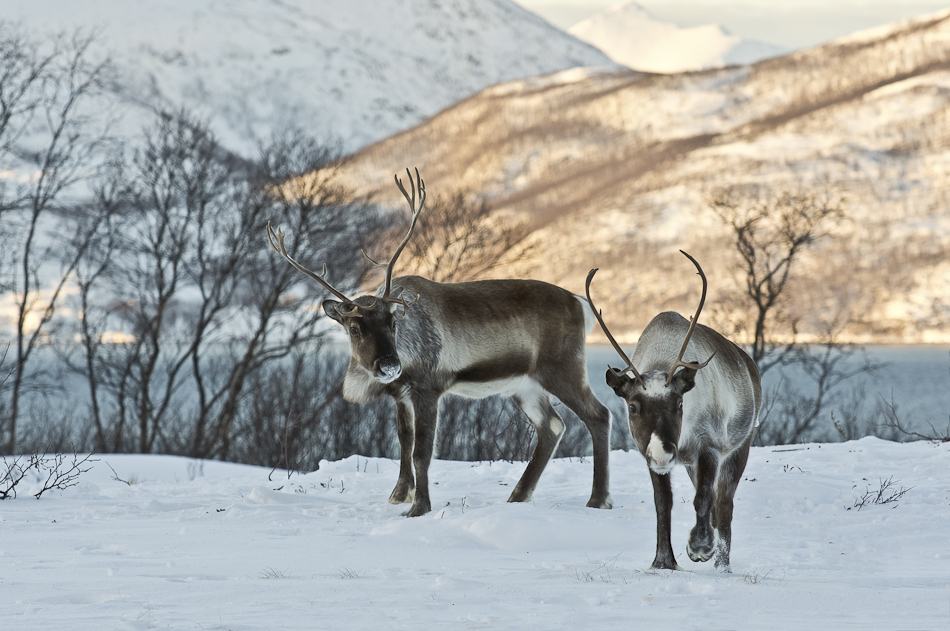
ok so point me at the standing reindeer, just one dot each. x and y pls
(702, 416)
(519, 338)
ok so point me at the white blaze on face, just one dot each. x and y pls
(659, 459)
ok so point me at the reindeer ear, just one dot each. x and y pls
(616, 380)
(329, 307)
(684, 380)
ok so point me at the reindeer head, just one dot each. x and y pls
(369, 320)
(655, 398)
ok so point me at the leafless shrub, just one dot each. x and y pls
(459, 239)
(294, 416)
(56, 471)
(885, 493)
(855, 420)
(599, 574)
(485, 429)
(893, 421)
(793, 414)
(14, 471)
(753, 577)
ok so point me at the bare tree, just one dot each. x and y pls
(47, 129)
(294, 185)
(188, 290)
(770, 233)
(93, 266)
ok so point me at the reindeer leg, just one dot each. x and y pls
(405, 485)
(596, 417)
(702, 540)
(549, 426)
(663, 500)
(425, 409)
(730, 472)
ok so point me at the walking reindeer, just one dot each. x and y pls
(701, 416)
(416, 340)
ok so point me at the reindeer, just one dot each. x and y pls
(522, 339)
(702, 416)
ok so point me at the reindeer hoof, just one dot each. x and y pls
(417, 510)
(519, 496)
(699, 548)
(607, 502)
(402, 495)
(665, 564)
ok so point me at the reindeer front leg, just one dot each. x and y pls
(663, 499)
(425, 409)
(702, 540)
(405, 485)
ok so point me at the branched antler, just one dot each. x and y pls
(281, 249)
(419, 184)
(350, 308)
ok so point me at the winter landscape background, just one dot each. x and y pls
(143, 147)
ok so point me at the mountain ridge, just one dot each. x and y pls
(357, 71)
(619, 167)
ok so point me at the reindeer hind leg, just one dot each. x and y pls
(730, 472)
(596, 417)
(536, 405)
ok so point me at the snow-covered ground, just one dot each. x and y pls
(211, 545)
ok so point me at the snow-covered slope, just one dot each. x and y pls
(616, 171)
(188, 544)
(358, 70)
(629, 35)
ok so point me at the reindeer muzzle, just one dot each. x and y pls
(387, 369)
(659, 457)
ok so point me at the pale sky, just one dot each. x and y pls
(789, 23)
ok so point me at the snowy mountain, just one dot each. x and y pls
(615, 171)
(358, 70)
(629, 35)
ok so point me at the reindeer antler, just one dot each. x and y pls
(597, 314)
(352, 307)
(419, 184)
(281, 249)
(689, 333)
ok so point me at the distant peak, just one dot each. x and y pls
(629, 35)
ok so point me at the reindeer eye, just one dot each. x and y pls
(680, 405)
(354, 330)
(634, 408)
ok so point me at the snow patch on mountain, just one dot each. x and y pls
(356, 71)
(629, 35)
